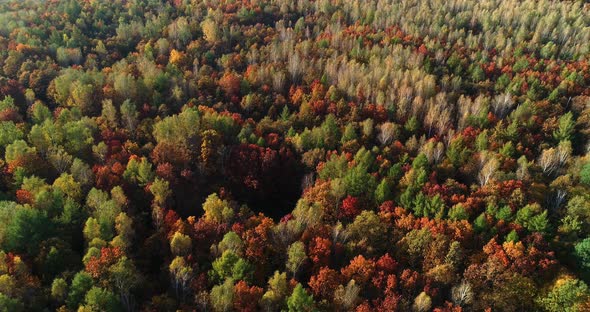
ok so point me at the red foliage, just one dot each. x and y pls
(359, 269)
(246, 297)
(108, 176)
(230, 83)
(10, 114)
(351, 207)
(256, 239)
(24, 197)
(97, 266)
(166, 172)
(319, 251)
(324, 283)
(175, 154)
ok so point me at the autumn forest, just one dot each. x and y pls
(294, 155)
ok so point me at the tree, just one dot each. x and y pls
(10, 304)
(387, 132)
(489, 168)
(210, 30)
(125, 231)
(180, 244)
(324, 283)
(181, 274)
(231, 241)
(81, 284)
(565, 296)
(582, 254)
(348, 296)
(566, 127)
(296, 257)
(367, 231)
(383, 192)
(549, 161)
(230, 265)
(9, 133)
(100, 299)
(27, 229)
(585, 174)
(129, 116)
(161, 190)
(59, 289)
(139, 172)
(217, 210)
(358, 181)
(274, 298)
(422, 303)
(222, 296)
(124, 277)
(300, 301)
(462, 294)
(246, 297)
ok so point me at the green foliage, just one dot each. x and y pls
(217, 210)
(8, 304)
(533, 218)
(9, 133)
(567, 296)
(383, 192)
(582, 253)
(222, 296)
(100, 299)
(457, 212)
(566, 128)
(358, 181)
(585, 174)
(300, 301)
(512, 237)
(81, 284)
(230, 265)
(296, 256)
(27, 229)
(139, 172)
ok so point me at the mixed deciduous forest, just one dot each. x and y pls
(294, 155)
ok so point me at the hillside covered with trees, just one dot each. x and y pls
(294, 155)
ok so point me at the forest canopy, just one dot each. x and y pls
(328, 155)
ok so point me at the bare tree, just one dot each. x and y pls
(502, 104)
(386, 133)
(488, 169)
(462, 294)
(549, 161)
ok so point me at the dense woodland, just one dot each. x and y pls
(294, 155)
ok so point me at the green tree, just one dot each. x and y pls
(585, 174)
(222, 296)
(582, 253)
(8, 304)
(566, 127)
(59, 289)
(296, 256)
(100, 299)
(358, 182)
(217, 210)
(180, 244)
(230, 265)
(383, 192)
(274, 298)
(28, 228)
(566, 296)
(9, 133)
(161, 190)
(124, 277)
(81, 284)
(300, 300)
